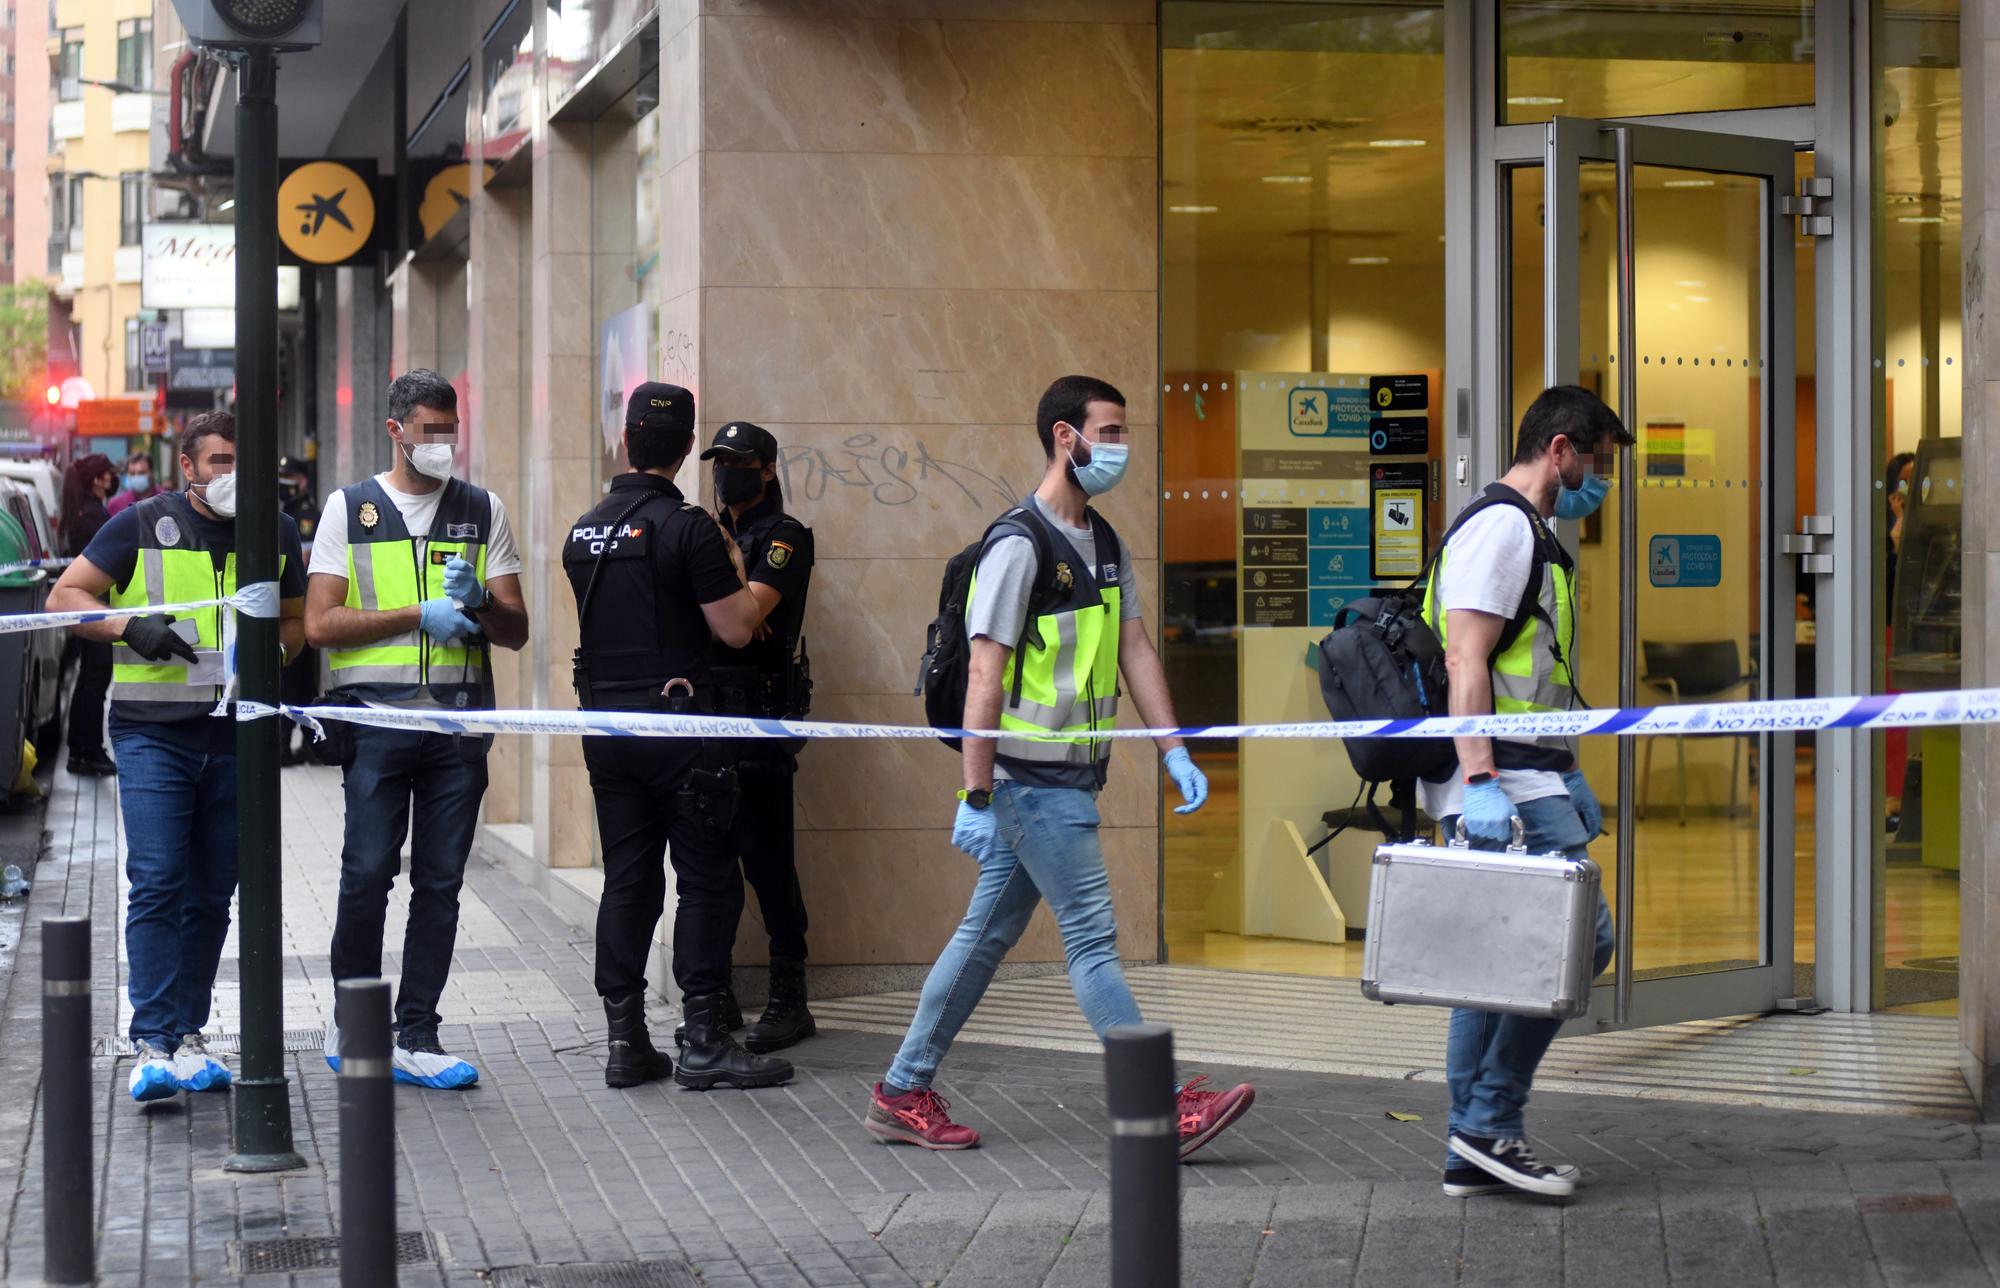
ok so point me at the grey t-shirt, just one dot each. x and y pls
(1007, 571)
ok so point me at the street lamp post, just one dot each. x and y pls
(263, 1093)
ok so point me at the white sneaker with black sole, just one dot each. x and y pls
(1510, 1159)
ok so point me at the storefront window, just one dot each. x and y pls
(1303, 158)
(1586, 58)
(625, 246)
(1919, 489)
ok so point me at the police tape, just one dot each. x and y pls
(1803, 715)
(31, 565)
(258, 600)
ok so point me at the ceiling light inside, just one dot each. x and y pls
(1689, 183)
(1691, 282)
(1288, 178)
(1919, 219)
(1190, 210)
(1365, 260)
(1534, 100)
(1396, 143)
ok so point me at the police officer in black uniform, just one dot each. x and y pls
(655, 578)
(771, 677)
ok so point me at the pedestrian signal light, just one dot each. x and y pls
(54, 394)
(253, 24)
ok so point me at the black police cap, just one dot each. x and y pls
(660, 406)
(741, 438)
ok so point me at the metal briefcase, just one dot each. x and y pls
(1453, 926)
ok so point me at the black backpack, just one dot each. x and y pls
(1382, 661)
(941, 673)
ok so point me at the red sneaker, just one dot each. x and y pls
(1204, 1114)
(921, 1118)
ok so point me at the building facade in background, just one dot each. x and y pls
(1329, 251)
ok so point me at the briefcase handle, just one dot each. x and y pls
(1520, 845)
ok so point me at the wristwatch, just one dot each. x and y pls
(978, 798)
(1474, 780)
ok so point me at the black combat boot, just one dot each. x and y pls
(712, 1058)
(786, 1019)
(630, 1058)
(735, 1020)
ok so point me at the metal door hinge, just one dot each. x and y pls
(1812, 543)
(1813, 206)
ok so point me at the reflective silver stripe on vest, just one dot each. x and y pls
(364, 591)
(153, 579)
(1539, 688)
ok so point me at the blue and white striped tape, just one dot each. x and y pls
(31, 565)
(258, 600)
(1805, 715)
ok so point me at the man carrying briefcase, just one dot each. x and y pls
(1509, 648)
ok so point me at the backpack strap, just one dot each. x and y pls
(1546, 546)
(1022, 522)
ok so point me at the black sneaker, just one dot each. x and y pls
(1509, 1158)
(1464, 1181)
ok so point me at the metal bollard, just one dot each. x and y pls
(1145, 1157)
(69, 1241)
(367, 1135)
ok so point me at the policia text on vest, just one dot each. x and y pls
(658, 583)
(415, 579)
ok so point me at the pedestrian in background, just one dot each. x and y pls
(415, 575)
(176, 759)
(139, 483)
(86, 484)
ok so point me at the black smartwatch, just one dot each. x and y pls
(978, 798)
(1474, 780)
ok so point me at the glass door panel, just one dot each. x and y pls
(1677, 586)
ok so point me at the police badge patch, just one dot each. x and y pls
(369, 515)
(167, 532)
(1064, 577)
(778, 555)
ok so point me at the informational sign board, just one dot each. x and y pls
(1684, 561)
(114, 417)
(1396, 502)
(153, 348)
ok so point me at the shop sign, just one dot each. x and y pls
(326, 211)
(114, 417)
(153, 348)
(1680, 562)
(187, 266)
(200, 370)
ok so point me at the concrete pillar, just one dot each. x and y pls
(1979, 873)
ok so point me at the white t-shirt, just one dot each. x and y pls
(329, 548)
(1486, 568)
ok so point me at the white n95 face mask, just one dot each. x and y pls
(220, 494)
(432, 460)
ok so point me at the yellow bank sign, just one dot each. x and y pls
(326, 211)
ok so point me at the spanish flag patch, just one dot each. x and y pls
(778, 555)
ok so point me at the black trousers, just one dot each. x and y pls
(762, 838)
(86, 701)
(636, 782)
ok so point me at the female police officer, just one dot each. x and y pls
(654, 577)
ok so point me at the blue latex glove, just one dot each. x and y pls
(444, 623)
(973, 830)
(1585, 801)
(1488, 817)
(461, 585)
(1189, 778)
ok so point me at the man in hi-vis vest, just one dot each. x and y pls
(1050, 638)
(176, 757)
(414, 577)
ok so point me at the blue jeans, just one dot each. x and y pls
(1045, 847)
(1489, 1057)
(178, 798)
(392, 769)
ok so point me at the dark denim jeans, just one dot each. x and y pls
(394, 769)
(178, 798)
(1490, 1058)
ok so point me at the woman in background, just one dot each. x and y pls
(86, 484)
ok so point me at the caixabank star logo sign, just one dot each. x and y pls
(327, 211)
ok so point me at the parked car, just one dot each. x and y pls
(31, 679)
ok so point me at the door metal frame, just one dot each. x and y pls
(1837, 129)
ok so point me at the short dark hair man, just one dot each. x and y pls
(176, 760)
(1028, 813)
(414, 574)
(655, 577)
(138, 482)
(768, 678)
(1509, 647)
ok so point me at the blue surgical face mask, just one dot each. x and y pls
(138, 482)
(1581, 501)
(1102, 471)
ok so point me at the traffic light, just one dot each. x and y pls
(252, 24)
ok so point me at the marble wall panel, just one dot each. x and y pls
(879, 85)
(832, 219)
(921, 357)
